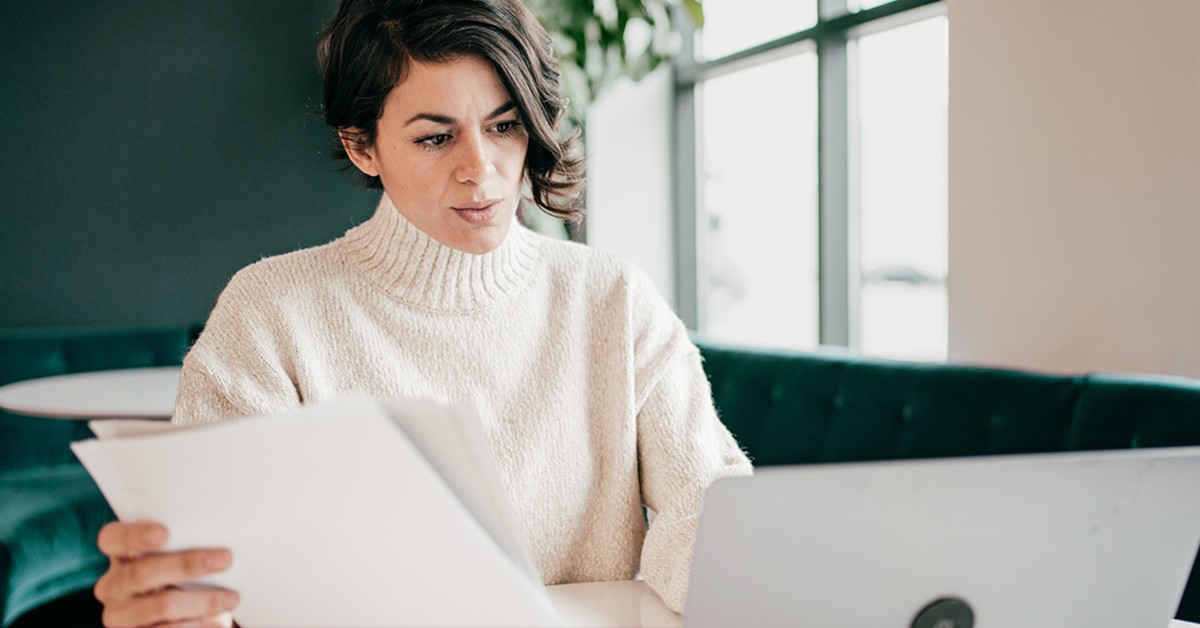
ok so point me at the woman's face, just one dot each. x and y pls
(450, 151)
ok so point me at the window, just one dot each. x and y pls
(735, 25)
(812, 177)
(759, 137)
(902, 97)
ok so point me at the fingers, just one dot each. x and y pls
(173, 607)
(130, 577)
(220, 621)
(128, 540)
(139, 588)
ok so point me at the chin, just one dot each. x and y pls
(480, 248)
(483, 241)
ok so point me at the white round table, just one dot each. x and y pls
(141, 393)
(625, 604)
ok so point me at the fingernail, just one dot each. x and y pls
(218, 560)
(230, 600)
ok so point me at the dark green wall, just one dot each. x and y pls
(153, 147)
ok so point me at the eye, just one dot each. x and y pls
(435, 140)
(508, 126)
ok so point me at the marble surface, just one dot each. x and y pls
(144, 393)
(603, 604)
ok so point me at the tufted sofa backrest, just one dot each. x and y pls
(1119, 411)
(796, 408)
(30, 353)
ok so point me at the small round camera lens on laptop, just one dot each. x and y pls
(946, 612)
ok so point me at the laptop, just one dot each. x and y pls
(1091, 539)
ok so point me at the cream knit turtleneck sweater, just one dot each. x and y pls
(591, 396)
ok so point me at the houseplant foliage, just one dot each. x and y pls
(599, 41)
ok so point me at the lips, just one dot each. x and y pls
(478, 204)
(478, 212)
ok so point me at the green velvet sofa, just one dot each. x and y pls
(805, 408)
(50, 510)
(784, 407)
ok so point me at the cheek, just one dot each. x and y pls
(415, 176)
(515, 163)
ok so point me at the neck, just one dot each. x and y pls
(401, 259)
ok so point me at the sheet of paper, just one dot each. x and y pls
(333, 516)
(455, 448)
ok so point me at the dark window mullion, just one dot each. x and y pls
(689, 267)
(838, 251)
(836, 263)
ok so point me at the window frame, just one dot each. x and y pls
(839, 272)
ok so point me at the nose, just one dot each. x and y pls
(475, 162)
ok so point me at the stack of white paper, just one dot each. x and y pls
(354, 513)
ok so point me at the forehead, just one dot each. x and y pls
(464, 85)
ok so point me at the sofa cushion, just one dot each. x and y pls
(29, 442)
(30, 353)
(48, 529)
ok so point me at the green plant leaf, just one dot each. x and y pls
(696, 10)
(591, 44)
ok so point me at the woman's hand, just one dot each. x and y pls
(141, 586)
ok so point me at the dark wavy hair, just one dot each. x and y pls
(364, 52)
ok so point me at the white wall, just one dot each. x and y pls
(629, 176)
(1075, 184)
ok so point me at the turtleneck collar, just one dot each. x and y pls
(400, 258)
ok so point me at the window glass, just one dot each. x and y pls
(902, 163)
(759, 189)
(733, 25)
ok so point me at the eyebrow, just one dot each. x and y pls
(440, 119)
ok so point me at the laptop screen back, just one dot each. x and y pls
(1078, 539)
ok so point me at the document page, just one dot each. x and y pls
(334, 517)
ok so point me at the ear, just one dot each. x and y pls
(361, 155)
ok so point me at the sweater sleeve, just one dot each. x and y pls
(242, 363)
(682, 448)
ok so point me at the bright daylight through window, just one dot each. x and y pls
(778, 261)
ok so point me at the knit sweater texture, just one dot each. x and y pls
(590, 394)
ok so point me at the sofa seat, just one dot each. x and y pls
(48, 527)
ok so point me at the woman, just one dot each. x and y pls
(591, 396)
